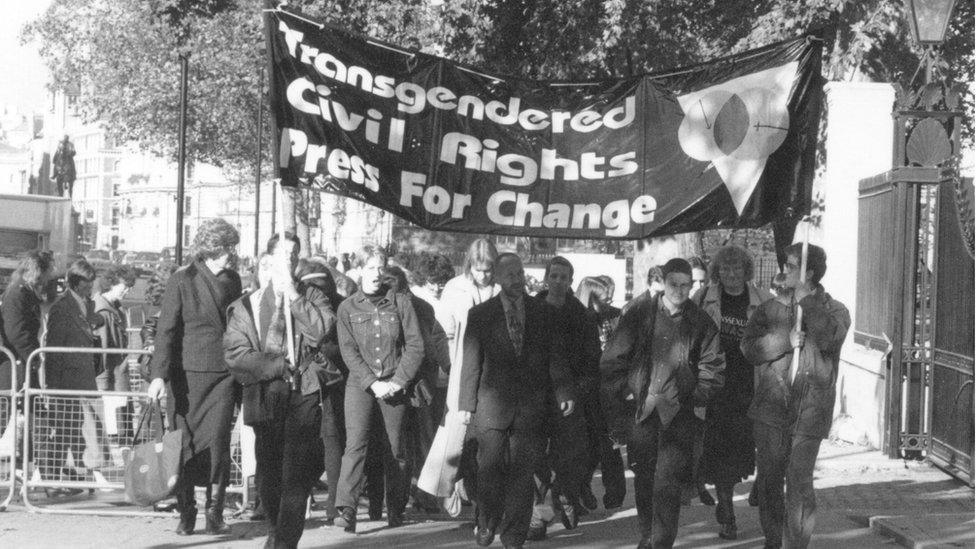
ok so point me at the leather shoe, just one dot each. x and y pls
(484, 536)
(612, 502)
(536, 533)
(188, 521)
(375, 514)
(568, 515)
(394, 519)
(728, 531)
(346, 519)
(215, 525)
(645, 542)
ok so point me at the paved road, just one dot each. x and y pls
(853, 485)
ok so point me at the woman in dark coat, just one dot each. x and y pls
(189, 357)
(728, 454)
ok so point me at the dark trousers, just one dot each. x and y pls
(782, 456)
(334, 441)
(360, 409)
(289, 460)
(659, 457)
(378, 459)
(602, 454)
(420, 431)
(566, 455)
(507, 460)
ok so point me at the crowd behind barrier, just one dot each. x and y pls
(76, 441)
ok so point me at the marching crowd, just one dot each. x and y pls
(412, 383)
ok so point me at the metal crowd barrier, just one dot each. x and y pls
(8, 433)
(75, 441)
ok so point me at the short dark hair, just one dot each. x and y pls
(505, 255)
(558, 260)
(816, 259)
(214, 238)
(676, 265)
(433, 268)
(115, 274)
(273, 242)
(80, 271)
(395, 277)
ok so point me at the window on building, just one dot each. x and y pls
(186, 236)
(187, 209)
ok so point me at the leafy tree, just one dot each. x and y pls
(123, 55)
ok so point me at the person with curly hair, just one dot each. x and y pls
(189, 359)
(728, 452)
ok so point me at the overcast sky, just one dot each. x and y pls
(23, 76)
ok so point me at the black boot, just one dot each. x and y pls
(186, 502)
(215, 510)
(724, 511)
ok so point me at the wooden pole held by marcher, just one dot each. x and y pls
(795, 364)
(289, 327)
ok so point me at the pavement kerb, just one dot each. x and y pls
(911, 531)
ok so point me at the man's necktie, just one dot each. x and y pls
(515, 328)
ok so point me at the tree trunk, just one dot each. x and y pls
(294, 221)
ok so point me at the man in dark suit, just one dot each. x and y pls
(281, 402)
(21, 314)
(513, 362)
(70, 324)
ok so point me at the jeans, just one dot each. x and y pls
(360, 409)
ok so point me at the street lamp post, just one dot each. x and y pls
(181, 156)
(257, 168)
(929, 21)
(927, 129)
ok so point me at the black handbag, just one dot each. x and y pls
(152, 468)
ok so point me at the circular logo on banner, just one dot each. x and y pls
(736, 125)
(144, 468)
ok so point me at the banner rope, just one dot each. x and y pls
(296, 16)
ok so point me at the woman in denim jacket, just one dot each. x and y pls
(381, 344)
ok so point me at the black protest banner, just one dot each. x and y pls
(728, 143)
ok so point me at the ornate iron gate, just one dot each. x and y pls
(915, 291)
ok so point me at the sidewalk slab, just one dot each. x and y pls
(925, 531)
